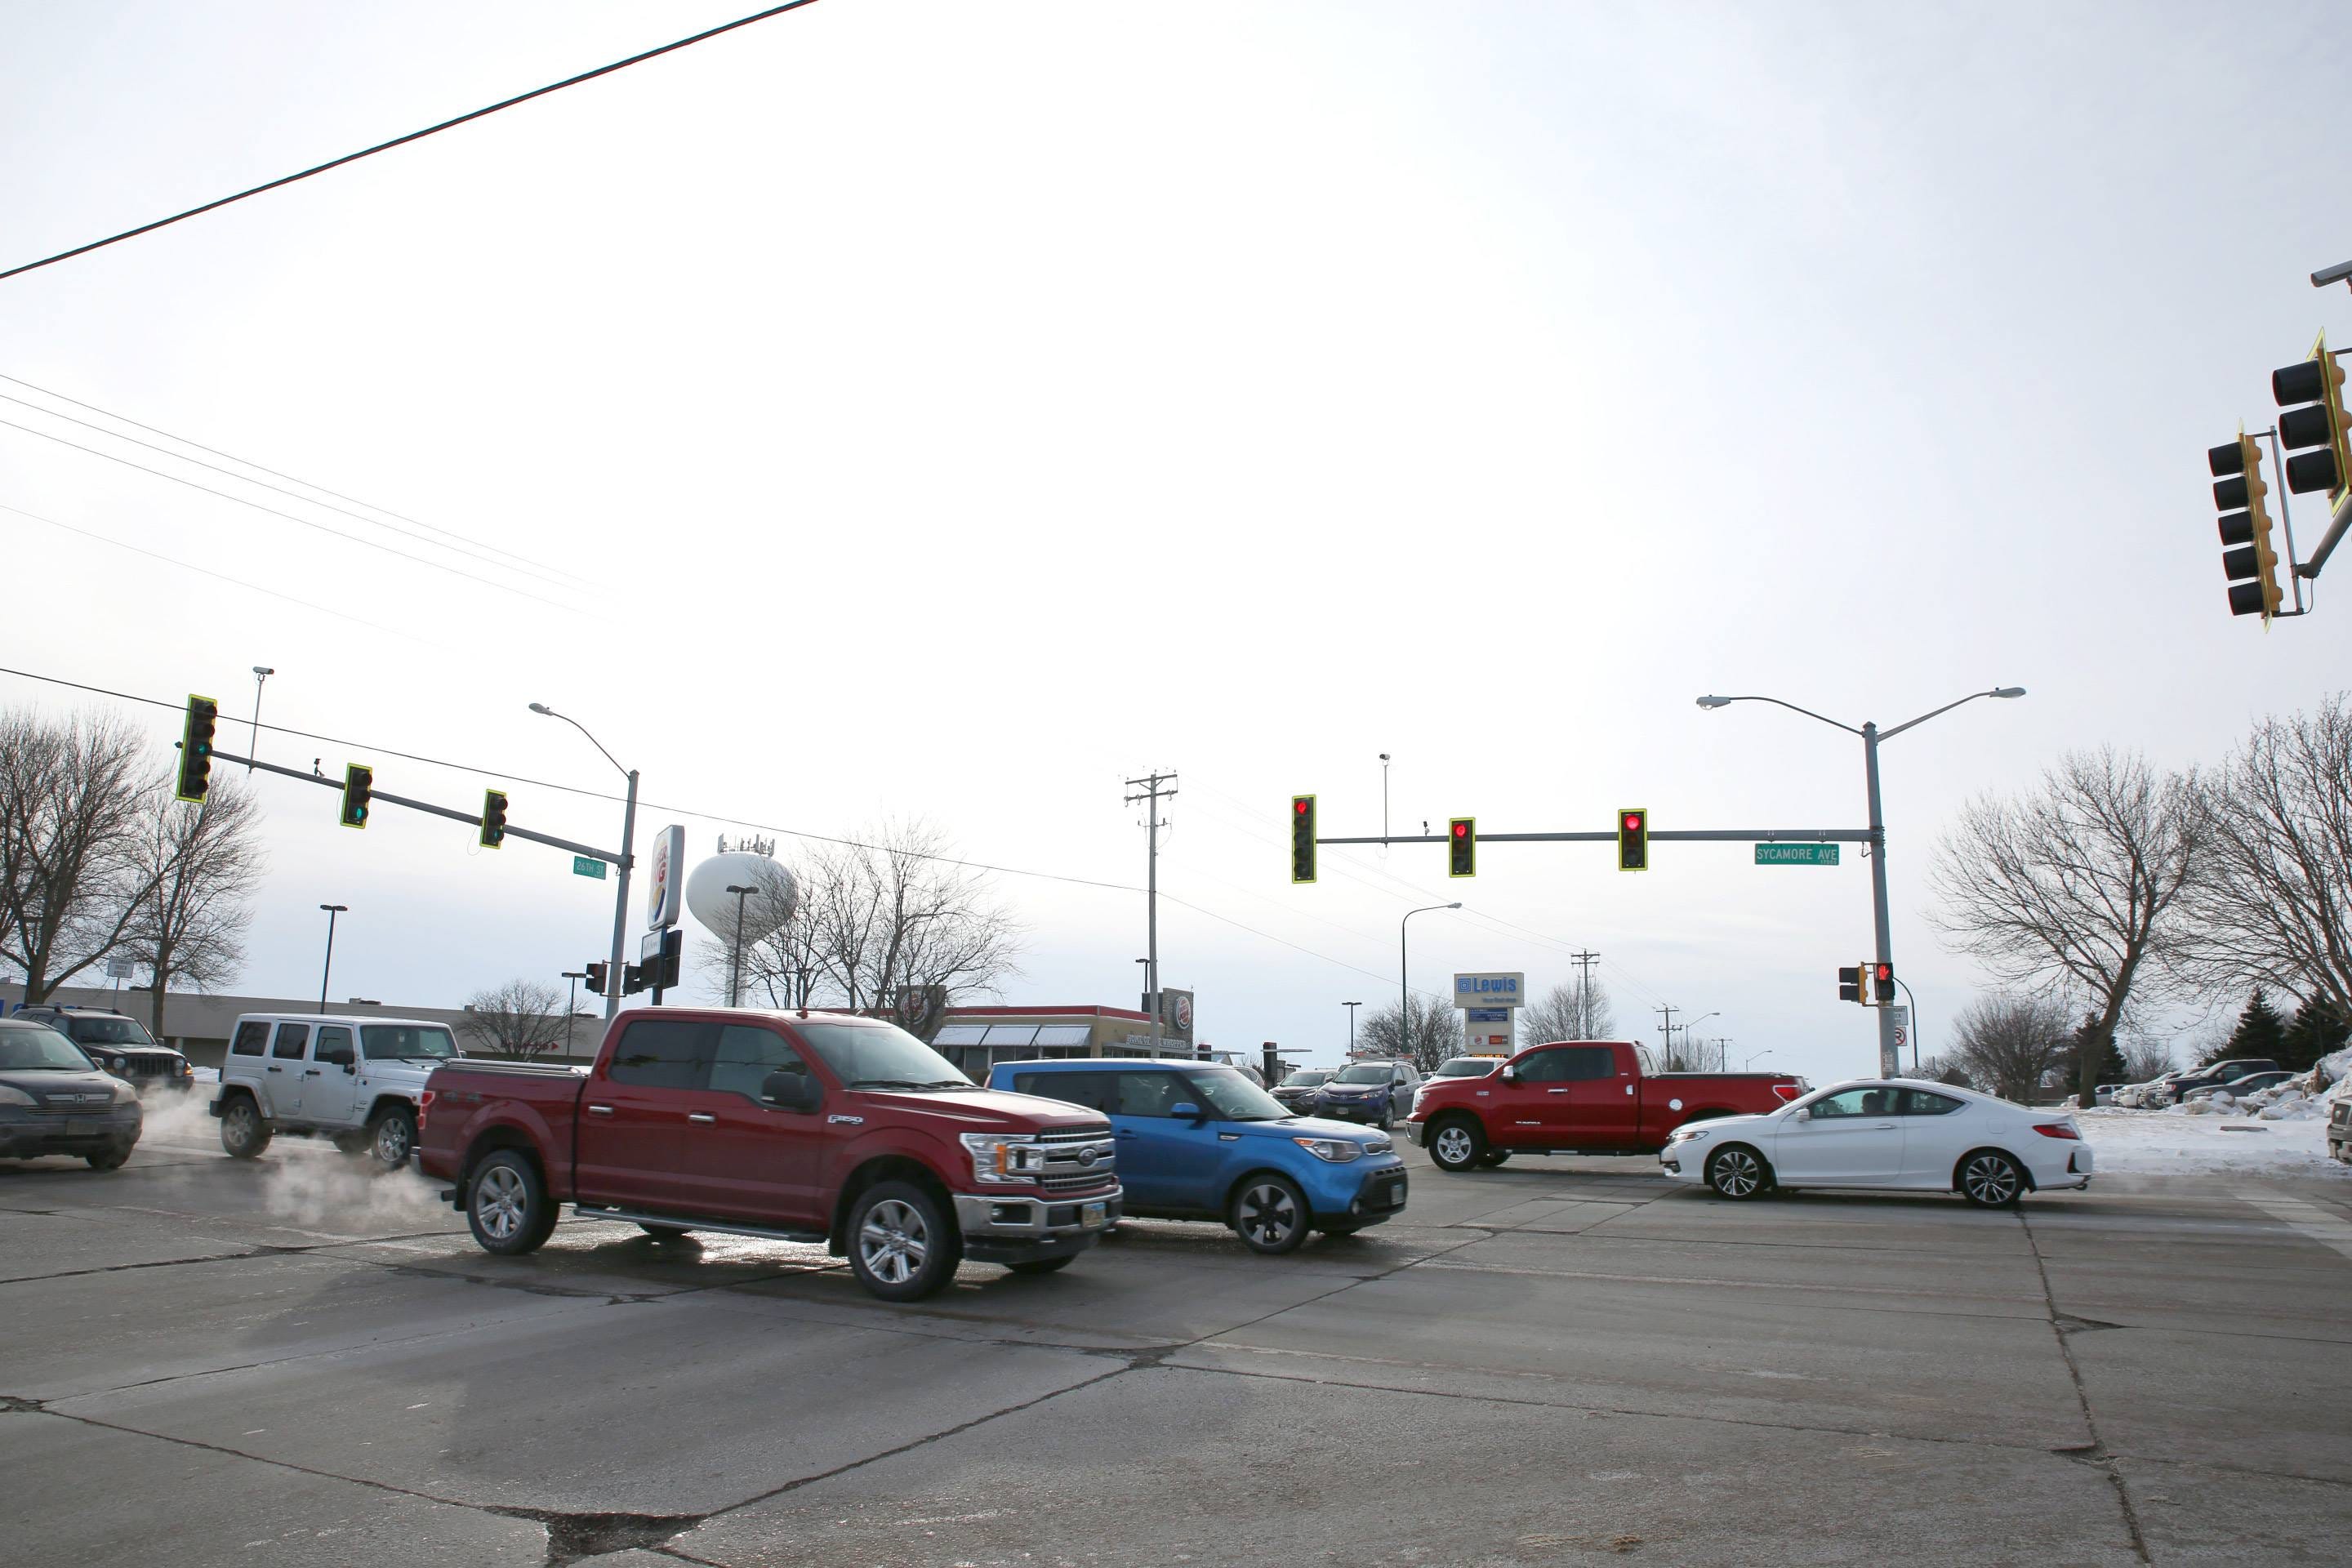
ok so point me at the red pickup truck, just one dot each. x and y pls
(1583, 1096)
(796, 1126)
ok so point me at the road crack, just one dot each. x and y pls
(2094, 1453)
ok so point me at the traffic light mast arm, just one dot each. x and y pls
(1657, 836)
(472, 819)
(2326, 546)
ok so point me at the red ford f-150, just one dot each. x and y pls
(1583, 1096)
(798, 1126)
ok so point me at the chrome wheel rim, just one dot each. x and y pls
(499, 1200)
(239, 1125)
(1269, 1215)
(392, 1140)
(1452, 1146)
(893, 1242)
(1989, 1179)
(1738, 1173)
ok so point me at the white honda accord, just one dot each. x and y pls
(1885, 1132)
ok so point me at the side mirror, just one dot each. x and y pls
(1509, 1075)
(790, 1091)
(1802, 1116)
(1185, 1111)
(352, 1068)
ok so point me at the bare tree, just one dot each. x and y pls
(522, 1018)
(2074, 886)
(895, 910)
(2145, 1059)
(200, 865)
(2272, 903)
(1577, 1011)
(2005, 1042)
(1429, 1033)
(69, 810)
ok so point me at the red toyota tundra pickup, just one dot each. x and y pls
(798, 1126)
(1583, 1096)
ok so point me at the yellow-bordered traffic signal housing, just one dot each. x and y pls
(1850, 984)
(196, 748)
(1633, 840)
(359, 791)
(1462, 846)
(2249, 561)
(2315, 428)
(494, 818)
(1302, 838)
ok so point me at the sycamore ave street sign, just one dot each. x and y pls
(1796, 854)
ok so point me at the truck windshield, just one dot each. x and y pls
(880, 1056)
(1233, 1097)
(393, 1042)
(107, 1032)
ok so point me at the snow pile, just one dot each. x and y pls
(2193, 1142)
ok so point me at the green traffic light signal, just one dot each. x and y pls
(359, 789)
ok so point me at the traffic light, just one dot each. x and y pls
(196, 748)
(1633, 840)
(1850, 984)
(2248, 562)
(1462, 846)
(632, 979)
(2312, 393)
(358, 788)
(1302, 838)
(494, 818)
(1882, 982)
(598, 972)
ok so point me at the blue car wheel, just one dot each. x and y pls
(1269, 1214)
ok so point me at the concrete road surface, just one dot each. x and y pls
(1561, 1362)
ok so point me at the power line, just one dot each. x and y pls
(208, 571)
(279, 489)
(403, 141)
(290, 478)
(306, 523)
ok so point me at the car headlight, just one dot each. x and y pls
(1003, 1157)
(1687, 1134)
(11, 1096)
(1337, 1150)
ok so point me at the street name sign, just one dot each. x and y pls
(1796, 854)
(587, 866)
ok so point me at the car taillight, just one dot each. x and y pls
(424, 1104)
(2056, 1129)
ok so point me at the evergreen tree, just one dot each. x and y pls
(2260, 1032)
(2111, 1061)
(2316, 1029)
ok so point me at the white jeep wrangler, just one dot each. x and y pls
(356, 1080)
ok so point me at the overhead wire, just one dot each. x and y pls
(403, 141)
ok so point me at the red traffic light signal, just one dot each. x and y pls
(1462, 846)
(1302, 838)
(1633, 840)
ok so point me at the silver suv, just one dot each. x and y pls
(356, 1080)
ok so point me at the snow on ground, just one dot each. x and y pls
(2134, 1142)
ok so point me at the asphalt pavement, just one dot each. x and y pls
(1560, 1362)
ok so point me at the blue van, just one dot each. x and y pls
(1197, 1140)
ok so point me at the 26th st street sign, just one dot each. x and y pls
(1796, 854)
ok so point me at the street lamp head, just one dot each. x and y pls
(1713, 702)
(1454, 906)
(1384, 756)
(338, 909)
(2008, 691)
(542, 708)
(733, 888)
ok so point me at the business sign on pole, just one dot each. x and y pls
(1490, 1031)
(1490, 990)
(664, 878)
(1176, 1013)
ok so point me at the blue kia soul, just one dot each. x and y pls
(1202, 1141)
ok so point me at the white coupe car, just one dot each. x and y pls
(1885, 1132)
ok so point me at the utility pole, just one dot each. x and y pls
(572, 1004)
(1667, 1030)
(1152, 795)
(1583, 962)
(1351, 1007)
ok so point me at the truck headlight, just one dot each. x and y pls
(1337, 1150)
(1003, 1157)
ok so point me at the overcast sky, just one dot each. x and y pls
(947, 411)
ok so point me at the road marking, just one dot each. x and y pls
(2309, 1219)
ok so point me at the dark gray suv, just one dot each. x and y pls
(117, 1043)
(55, 1100)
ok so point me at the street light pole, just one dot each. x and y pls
(612, 974)
(1351, 1007)
(1404, 990)
(735, 952)
(329, 967)
(1755, 1056)
(572, 1004)
(1882, 927)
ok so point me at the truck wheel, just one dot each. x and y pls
(1270, 1214)
(109, 1158)
(243, 1132)
(1457, 1145)
(1041, 1265)
(506, 1204)
(392, 1137)
(1738, 1172)
(901, 1248)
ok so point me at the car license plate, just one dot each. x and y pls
(1093, 1216)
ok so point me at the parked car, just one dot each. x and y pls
(2219, 1075)
(1375, 1092)
(2339, 1132)
(1296, 1091)
(2155, 1092)
(117, 1044)
(55, 1100)
(800, 1126)
(2253, 1083)
(359, 1081)
(1580, 1098)
(1198, 1141)
(1885, 1132)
